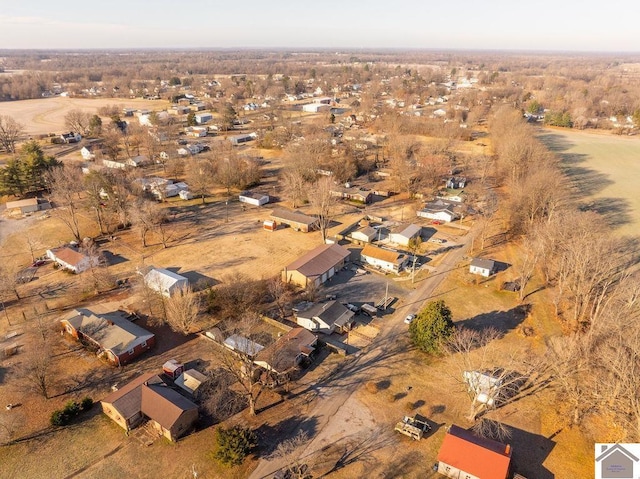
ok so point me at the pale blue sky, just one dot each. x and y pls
(582, 25)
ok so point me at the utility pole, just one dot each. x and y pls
(227, 211)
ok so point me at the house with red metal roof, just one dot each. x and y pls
(463, 455)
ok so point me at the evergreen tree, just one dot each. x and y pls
(432, 327)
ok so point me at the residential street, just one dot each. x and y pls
(333, 402)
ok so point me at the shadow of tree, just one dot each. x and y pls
(529, 453)
(615, 211)
(501, 321)
(269, 436)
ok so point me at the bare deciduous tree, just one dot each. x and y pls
(66, 185)
(200, 176)
(77, 121)
(36, 370)
(324, 204)
(183, 310)
(491, 377)
(10, 133)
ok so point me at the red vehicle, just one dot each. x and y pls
(436, 222)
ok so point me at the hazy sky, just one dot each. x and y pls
(582, 25)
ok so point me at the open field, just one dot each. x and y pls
(605, 170)
(46, 115)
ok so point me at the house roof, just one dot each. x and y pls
(483, 263)
(112, 331)
(293, 216)
(437, 206)
(319, 260)
(128, 398)
(480, 457)
(367, 231)
(254, 195)
(331, 312)
(191, 380)
(163, 404)
(163, 278)
(68, 255)
(281, 356)
(243, 345)
(407, 230)
(382, 254)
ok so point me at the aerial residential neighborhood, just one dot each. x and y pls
(299, 263)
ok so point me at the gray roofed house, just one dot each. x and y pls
(483, 267)
(288, 351)
(317, 266)
(325, 317)
(438, 210)
(118, 338)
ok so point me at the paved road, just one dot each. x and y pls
(333, 393)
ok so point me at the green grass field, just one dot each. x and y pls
(605, 170)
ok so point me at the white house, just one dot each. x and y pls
(403, 234)
(438, 210)
(202, 118)
(326, 317)
(386, 260)
(255, 199)
(165, 282)
(72, 260)
(483, 267)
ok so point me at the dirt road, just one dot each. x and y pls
(335, 415)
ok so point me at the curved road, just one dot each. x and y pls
(331, 393)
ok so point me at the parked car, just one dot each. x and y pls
(437, 240)
(352, 307)
(409, 318)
